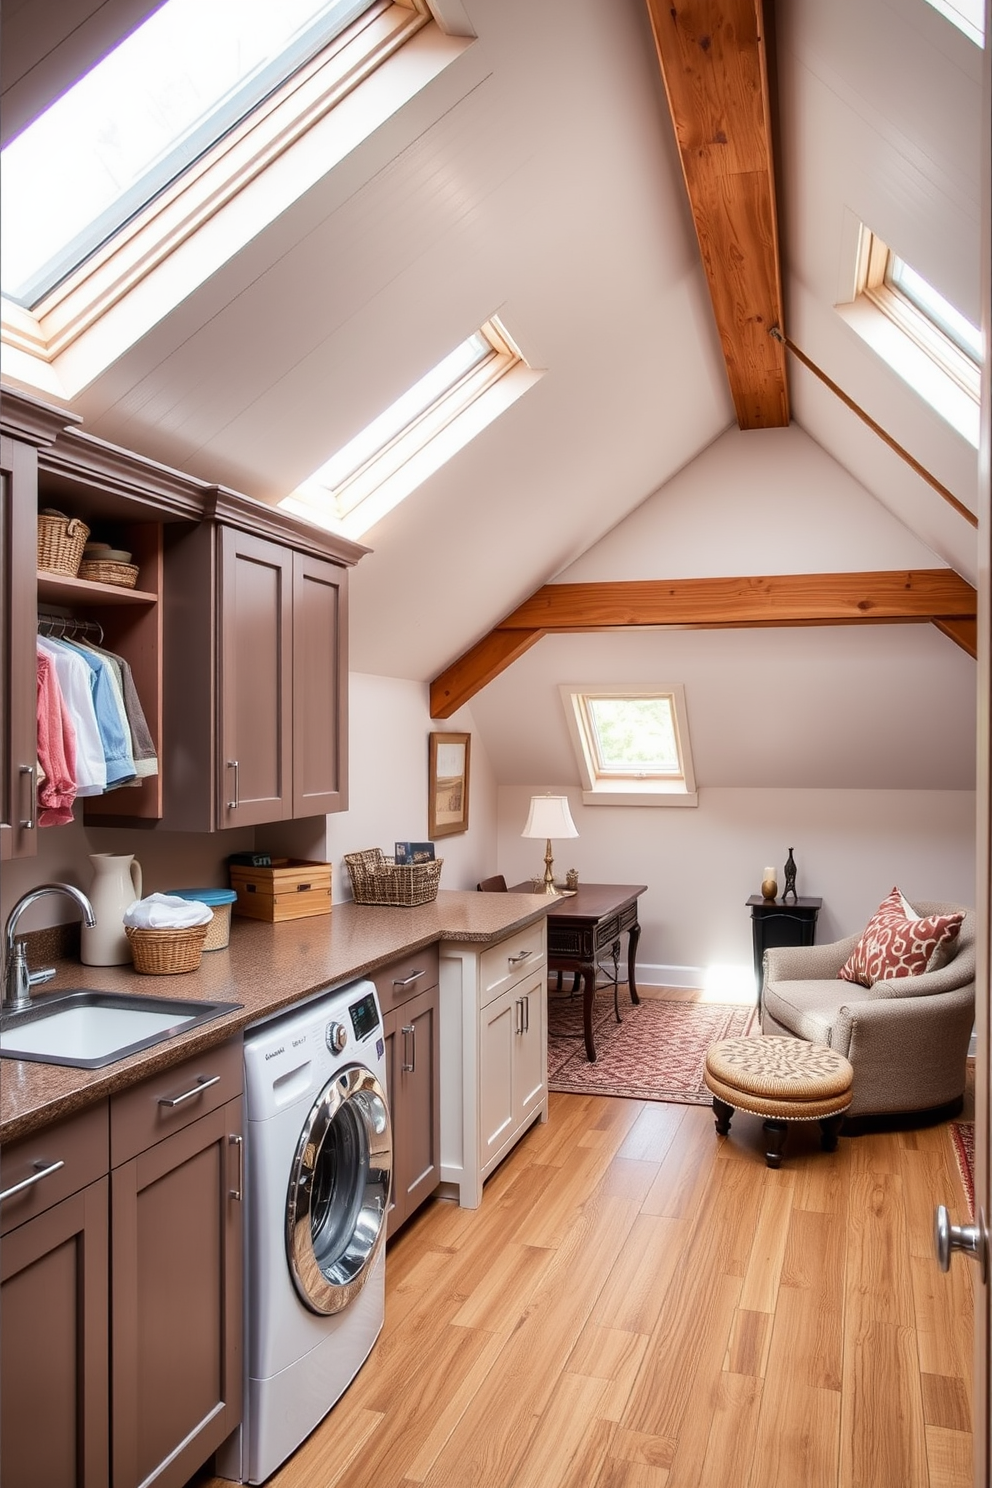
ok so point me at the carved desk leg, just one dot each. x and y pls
(633, 936)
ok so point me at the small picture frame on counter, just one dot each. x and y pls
(413, 852)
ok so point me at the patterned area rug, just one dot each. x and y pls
(963, 1138)
(656, 1053)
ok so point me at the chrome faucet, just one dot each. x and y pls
(17, 979)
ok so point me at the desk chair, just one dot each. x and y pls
(494, 885)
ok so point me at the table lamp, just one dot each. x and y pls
(549, 817)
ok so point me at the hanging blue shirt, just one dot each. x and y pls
(114, 734)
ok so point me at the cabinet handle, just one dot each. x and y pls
(408, 1069)
(522, 957)
(519, 1024)
(42, 1172)
(413, 977)
(233, 805)
(29, 770)
(198, 1089)
(526, 1003)
(239, 1142)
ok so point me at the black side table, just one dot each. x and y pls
(775, 923)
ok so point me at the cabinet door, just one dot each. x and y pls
(499, 1029)
(415, 1104)
(54, 1393)
(530, 1066)
(254, 745)
(176, 1300)
(18, 675)
(320, 722)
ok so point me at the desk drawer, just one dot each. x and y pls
(506, 962)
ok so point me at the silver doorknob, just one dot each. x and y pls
(972, 1239)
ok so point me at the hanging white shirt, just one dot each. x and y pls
(76, 687)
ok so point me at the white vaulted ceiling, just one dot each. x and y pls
(538, 178)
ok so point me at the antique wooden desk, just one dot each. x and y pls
(586, 925)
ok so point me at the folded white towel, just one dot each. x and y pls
(166, 912)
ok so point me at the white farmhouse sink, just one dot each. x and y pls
(88, 1029)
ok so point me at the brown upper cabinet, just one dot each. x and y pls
(236, 634)
(256, 652)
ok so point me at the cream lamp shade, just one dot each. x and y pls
(549, 817)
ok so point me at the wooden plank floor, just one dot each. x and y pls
(641, 1304)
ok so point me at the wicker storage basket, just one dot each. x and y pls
(165, 952)
(124, 575)
(61, 541)
(378, 880)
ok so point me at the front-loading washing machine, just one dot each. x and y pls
(319, 1158)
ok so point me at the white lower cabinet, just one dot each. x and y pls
(494, 1054)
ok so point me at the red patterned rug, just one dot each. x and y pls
(963, 1138)
(656, 1053)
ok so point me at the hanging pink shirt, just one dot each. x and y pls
(56, 750)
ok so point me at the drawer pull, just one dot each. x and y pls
(43, 1172)
(409, 1069)
(413, 977)
(522, 956)
(198, 1089)
(239, 1142)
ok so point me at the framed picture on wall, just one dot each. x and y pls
(447, 784)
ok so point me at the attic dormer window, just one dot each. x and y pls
(140, 118)
(923, 337)
(415, 435)
(632, 746)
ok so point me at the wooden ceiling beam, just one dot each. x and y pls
(938, 595)
(715, 65)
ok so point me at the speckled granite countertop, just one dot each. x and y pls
(266, 968)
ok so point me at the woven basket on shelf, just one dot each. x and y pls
(165, 952)
(61, 540)
(124, 575)
(378, 880)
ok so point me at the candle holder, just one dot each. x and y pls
(769, 884)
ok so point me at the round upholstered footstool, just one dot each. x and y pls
(783, 1080)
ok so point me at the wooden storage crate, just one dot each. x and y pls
(291, 889)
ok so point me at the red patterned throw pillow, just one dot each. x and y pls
(895, 944)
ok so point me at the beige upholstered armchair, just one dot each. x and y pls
(907, 1038)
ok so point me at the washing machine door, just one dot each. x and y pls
(339, 1191)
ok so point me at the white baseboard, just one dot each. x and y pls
(732, 982)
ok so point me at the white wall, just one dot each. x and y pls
(700, 866)
(390, 729)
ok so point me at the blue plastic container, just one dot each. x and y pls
(220, 901)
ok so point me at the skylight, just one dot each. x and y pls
(967, 15)
(918, 332)
(415, 435)
(135, 122)
(632, 745)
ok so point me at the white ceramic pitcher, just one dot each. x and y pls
(116, 884)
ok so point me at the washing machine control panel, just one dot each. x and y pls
(364, 1016)
(336, 1037)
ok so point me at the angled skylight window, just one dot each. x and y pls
(967, 15)
(923, 337)
(415, 435)
(139, 118)
(632, 746)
